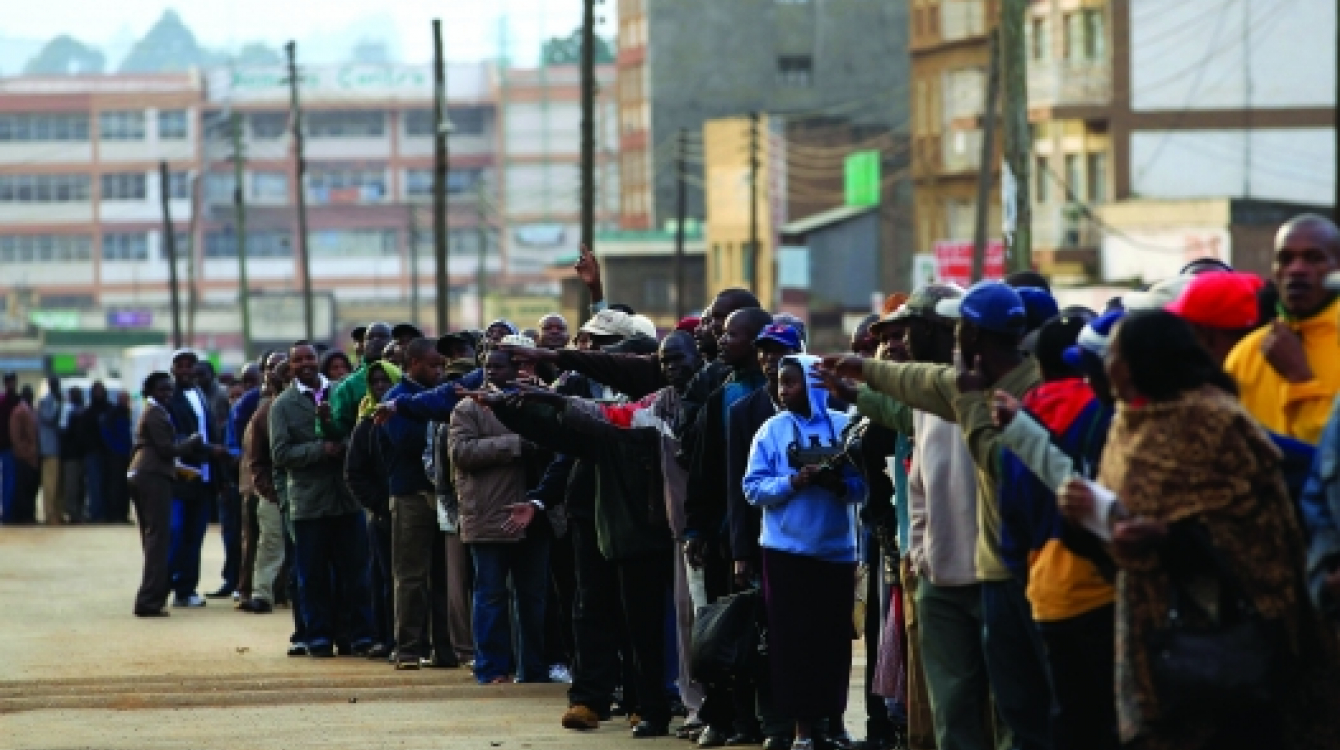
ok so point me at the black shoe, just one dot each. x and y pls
(440, 662)
(712, 738)
(152, 613)
(777, 743)
(223, 593)
(297, 649)
(379, 651)
(690, 730)
(321, 652)
(648, 729)
(256, 607)
(743, 739)
(678, 709)
(360, 651)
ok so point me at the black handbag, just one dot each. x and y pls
(726, 638)
(1206, 660)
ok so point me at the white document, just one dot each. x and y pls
(1099, 521)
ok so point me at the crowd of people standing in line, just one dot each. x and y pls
(1070, 529)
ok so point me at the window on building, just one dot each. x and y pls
(795, 70)
(1073, 180)
(179, 186)
(68, 301)
(354, 243)
(33, 127)
(268, 126)
(44, 188)
(1073, 36)
(46, 248)
(345, 124)
(1095, 36)
(341, 184)
(182, 243)
(125, 246)
(127, 125)
(269, 186)
(1097, 178)
(1040, 39)
(964, 93)
(172, 125)
(124, 186)
(1041, 180)
(260, 244)
(464, 121)
(655, 293)
(219, 187)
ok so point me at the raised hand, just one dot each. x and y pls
(843, 390)
(1283, 350)
(971, 379)
(588, 270)
(1004, 408)
(847, 366)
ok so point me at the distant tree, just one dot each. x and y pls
(568, 50)
(65, 55)
(371, 51)
(168, 46)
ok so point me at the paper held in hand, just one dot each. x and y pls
(1099, 521)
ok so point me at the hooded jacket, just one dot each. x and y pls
(1297, 410)
(368, 459)
(811, 521)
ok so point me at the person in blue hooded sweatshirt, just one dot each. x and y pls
(808, 545)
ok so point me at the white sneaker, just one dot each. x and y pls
(560, 673)
(194, 600)
(237, 596)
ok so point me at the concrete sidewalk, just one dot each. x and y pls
(77, 670)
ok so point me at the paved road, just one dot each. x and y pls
(78, 671)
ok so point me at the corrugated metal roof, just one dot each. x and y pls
(821, 220)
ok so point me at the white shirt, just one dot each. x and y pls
(198, 406)
(325, 385)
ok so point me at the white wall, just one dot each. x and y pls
(1287, 164)
(1190, 54)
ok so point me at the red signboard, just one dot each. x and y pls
(953, 262)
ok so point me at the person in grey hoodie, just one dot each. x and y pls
(48, 443)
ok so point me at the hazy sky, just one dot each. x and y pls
(471, 27)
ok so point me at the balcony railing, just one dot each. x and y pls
(1060, 226)
(1066, 83)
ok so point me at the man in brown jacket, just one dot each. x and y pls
(259, 475)
(27, 464)
(489, 464)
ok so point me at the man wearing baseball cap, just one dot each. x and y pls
(1221, 308)
(992, 320)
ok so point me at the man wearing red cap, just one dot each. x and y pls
(1221, 308)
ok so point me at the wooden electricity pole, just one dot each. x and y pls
(988, 164)
(1018, 136)
(681, 207)
(441, 128)
(300, 171)
(170, 245)
(588, 128)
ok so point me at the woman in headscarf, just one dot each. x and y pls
(1202, 514)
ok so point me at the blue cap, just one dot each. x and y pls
(1039, 304)
(781, 334)
(989, 305)
(1094, 338)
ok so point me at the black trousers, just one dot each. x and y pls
(644, 582)
(877, 722)
(1080, 652)
(439, 620)
(153, 510)
(27, 479)
(597, 625)
(719, 699)
(115, 487)
(558, 646)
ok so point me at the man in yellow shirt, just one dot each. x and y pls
(1289, 371)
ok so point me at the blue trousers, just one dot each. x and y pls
(525, 566)
(332, 555)
(8, 486)
(1016, 663)
(190, 520)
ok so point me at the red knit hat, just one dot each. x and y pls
(689, 324)
(1220, 300)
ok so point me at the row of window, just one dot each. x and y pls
(367, 123)
(1083, 37)
(119, 125)
(1084, 175)
(74, 188)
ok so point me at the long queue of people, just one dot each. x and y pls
(1055, 528)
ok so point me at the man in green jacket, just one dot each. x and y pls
(329, 534)
(991, 320)
(350, 391)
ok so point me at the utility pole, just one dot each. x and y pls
(1018, 135)
(681, 207)
(441, 246)
(988, 163)
(240, 232)
(300, 169)
(483, 228)
(170, 244)
(751, 257)
(413, 263)
(588, 175)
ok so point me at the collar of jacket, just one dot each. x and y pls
(1321, 320)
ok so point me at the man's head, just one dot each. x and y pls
(305, 364)
(554, 331)
(773, 343)
(250, 376)
(76, 396)
(1054, 338)
(793, 388)
(930, 335)
(737, 343)
(496, 330)
(679, 359)
(454, 346)
(1039, 306)
(183, 367)
(274, 381)
(1088, 354)
(26, 393)
(609, 327)
(158, 386)
(1021, 279)
(53, 387)
(359, 335)
(423, 363)
(893, 342)
(862, 341)
(1307, 248)
(726, 302)
(991, 320)
(403, 333)
(395, 354)
(204, 374)
(703, 336)
(500, 369)
(379, 382)
(1221, 308)
(375, 340)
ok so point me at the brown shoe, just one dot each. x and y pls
(580, 718)
(406, 661)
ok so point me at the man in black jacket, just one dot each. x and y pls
(191, 413)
